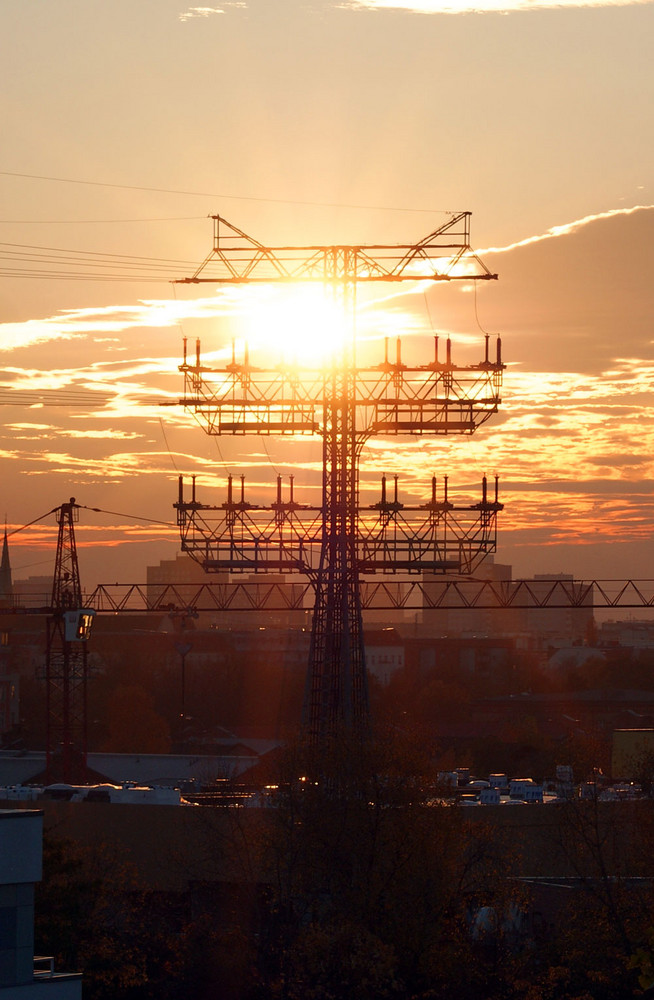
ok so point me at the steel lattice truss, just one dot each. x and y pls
(66, 664)
(398, 595)
(344, 404)
(390, 398)
(389, 536)
(238, 258)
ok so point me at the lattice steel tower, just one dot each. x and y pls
(339, 541)
(66, 662)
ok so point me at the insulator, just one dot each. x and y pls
(395, 497)
(385, 350)
(445, 478)
(448, 353)
(435, 350)
(484, 493)
(197, 352)
(192, 489)
(185, 342)
(279, 489)
(383, 489)
(233, 351)
(229, 489)
(499, 350)
(486, 353)
(398, 352)
(242, 489)
(433, 485)
(291, 478)
(181, 490)
(497, 480)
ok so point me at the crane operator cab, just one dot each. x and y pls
(77, 624)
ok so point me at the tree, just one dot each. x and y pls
(603, 929)
(373, 883)
(88, 915)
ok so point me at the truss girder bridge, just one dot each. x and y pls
(412, 594)
(345, 404)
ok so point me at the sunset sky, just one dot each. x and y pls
(125, 125)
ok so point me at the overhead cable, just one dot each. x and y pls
(227, 197)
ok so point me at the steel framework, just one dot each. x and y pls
(403, 595)
(66, 667)
(344, 404)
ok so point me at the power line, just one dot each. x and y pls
(58, 276)
(92, 253)
(133, 517)
(95, 222)
(226, 197)
(95, 510)
(52, 397)
(25, 260)
(35, 521)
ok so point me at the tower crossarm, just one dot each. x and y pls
(390, 398)
(443, 255)
(389, 536)
(437, 537)
(239, 537)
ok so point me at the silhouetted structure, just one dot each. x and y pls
(344, 404)
(66, 669)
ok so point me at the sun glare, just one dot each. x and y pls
(300, 324)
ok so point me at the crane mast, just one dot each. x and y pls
(66, 661)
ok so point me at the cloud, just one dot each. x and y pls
(16, 336)
(567, 228)
(573, 447)
(200, 12)
(194, 12)
(481, 6)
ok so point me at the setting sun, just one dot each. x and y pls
(299, 323)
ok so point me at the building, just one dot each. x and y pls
(537, 626)
(183, 574)
(8, 704)
(24, 976)
(631, 634)
(451, 619)
(384, 658)
(33, 592)
(178, 582)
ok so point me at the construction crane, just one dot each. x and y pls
(68, 627)
(345, 404)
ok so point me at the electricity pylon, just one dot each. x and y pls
(345, 404)
(66, 669)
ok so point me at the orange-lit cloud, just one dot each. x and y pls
(573, 440)
(193, 12)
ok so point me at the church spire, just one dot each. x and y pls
(6, 587)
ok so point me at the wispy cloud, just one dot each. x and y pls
(567, 228)
(200, 12)
(115, 319)
(194, 12)
(481, 6)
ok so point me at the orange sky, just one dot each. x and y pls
(354, 121)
